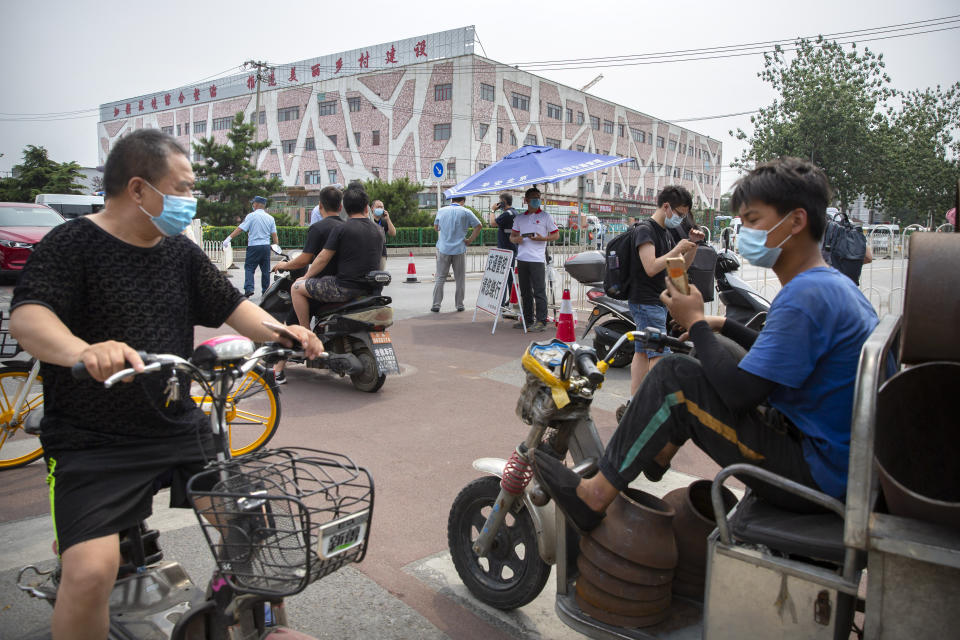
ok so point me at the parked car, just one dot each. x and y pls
(22, 224)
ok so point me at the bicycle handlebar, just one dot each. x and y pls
(587, 366)
(650, 337)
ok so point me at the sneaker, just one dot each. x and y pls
(518, 324)
(435, 309)
(507, 312)
(460, 309)
(539, 326)
(248, 294)
(280, 377)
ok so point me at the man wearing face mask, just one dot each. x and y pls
(786, 405)
(532, 230)
(382, 217)
(96, 291)
(261, 230)
(655, 242)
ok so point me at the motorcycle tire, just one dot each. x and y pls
(623, 357)
(370, 380)
(503, 579)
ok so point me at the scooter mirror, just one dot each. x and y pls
(276, 249)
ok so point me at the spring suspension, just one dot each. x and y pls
(517, 473)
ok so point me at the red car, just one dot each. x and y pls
(22, 224)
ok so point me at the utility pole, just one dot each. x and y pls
(260, 66)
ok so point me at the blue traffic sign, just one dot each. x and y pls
(438, 169)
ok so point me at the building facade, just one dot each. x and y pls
(392, 110)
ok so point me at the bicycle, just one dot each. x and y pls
(249, 427)
(274, 520)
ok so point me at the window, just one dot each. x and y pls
(311, 177)
(687, 175)
(197, 157)
(616, 190)
(375, 137)
(554, 111)
(168, 130)
(356, 138)
(443, 92)
(441, 131)
(683, 149)
(328, 108)
(263, 117)
(499, 134)
(513, 138)
(487, 92)
(452, 169)
(530, 139)
(520, 101)
(676, 172)
(672, 145)
(589, 185)
(689, 151)
(552, 142)
(178, 130)
(669, 170)
(310, 145)
(579, 147)
(200, 126)
(606, 188)
(481, 166)
(219, 124)
(569, 115)
(622, 130)
(290, 113)
(353, 104)
(607, 126)
(579, 117)
(595, 123)
(273, 151)
(698, 153)
(288, 146)
(332, 176)
(660, 142)
(274, 176)
(637, 135)
(427, 200)
(482, 132)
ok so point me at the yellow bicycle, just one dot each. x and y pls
(252, 412)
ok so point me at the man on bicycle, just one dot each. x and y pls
(96, 291)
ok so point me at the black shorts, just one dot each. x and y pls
(101, 491)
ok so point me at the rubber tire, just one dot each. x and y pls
(369, 380)
(623, 358)
(13, 368)
(529, 576)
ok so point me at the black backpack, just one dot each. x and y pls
(844, 247)
(617, 275)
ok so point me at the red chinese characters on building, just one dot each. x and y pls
(181, 98)
(339, 65)
(196, 94)
(251, 83)
(272, 80)
(315, 70)
(166, 100)
(420, 48)
(293, 75)
(153, 103)
(364, 60)
(213, 91)
(140, 105)
(116, 112)
(128, 108)
(392, 55)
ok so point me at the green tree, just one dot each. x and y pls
(920, 164)
(39, 174)
(830, 108)
(228, 179)
(399, 198)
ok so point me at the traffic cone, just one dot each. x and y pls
(565, 330)
(411, 271)
(513, 290)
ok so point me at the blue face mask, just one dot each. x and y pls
(177, 213)
(534, 204)
(752, 244)
(377, 212)
(674, 221)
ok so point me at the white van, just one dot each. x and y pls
(71, 206)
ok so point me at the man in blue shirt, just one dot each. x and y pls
(786, 405)
(261, 229)
(452, 223)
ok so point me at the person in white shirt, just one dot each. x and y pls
(532, 230)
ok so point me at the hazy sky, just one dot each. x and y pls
(71, 56)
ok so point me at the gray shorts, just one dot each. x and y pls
(326, 289)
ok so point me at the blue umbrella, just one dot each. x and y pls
(532, 165)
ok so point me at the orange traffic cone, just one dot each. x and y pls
(513, 289)
(565, 330)
(411, 271)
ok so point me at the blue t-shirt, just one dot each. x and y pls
(260, 226)
(810, 345)
(453, 222)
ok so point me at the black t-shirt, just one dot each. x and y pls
(382, 223)
(504, 227)
(102, 289)
(643, 288)
(317, 236)
(359, 245)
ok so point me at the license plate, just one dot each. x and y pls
(383, 352)
(380, 337)
(344, 534)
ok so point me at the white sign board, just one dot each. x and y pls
(494, 282)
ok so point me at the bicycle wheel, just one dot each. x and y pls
(18, 447)
(252, 410)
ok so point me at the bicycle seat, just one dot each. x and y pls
(357, 304)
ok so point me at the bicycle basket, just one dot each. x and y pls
(9, 347)
(277, 520)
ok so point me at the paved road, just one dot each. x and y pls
(453, 402)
